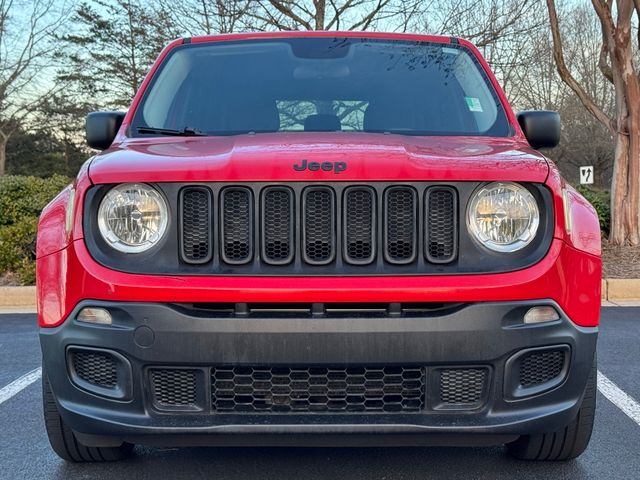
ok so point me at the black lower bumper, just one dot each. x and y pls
(485, 343)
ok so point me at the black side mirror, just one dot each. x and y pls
(101, 128)
(541, 127)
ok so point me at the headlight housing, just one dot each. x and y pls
(132, 217)
(503, 216)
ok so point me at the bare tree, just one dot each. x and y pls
(331, 14)
(26, 52)
(205, 17)
(501, 29)
(618, 66)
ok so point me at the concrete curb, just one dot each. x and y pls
(17, 297)
(614, 290)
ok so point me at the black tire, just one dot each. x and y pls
(568, 442)
(66, 444)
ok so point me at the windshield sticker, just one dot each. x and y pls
(474, 104)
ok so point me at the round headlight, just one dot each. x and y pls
(503, 216)
(132, 217)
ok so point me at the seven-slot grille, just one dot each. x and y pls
(319, 225)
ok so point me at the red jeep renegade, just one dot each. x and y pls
(319, 239)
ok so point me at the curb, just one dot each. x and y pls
(17, 297)
(613, 290)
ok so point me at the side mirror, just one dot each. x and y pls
(541, 127)
(101, 128)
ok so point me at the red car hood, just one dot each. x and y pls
(271, 157)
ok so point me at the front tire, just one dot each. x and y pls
(66, 444)
(568, 442)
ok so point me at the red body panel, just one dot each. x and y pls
(369, 157)
(72, 275)
(569, 273)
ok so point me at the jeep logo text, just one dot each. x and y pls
(337, 167)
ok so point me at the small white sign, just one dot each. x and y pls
(586, 175)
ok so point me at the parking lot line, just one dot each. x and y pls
(20, 384)
(620, 399)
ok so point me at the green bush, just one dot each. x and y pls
(600, 199)
(21, 201)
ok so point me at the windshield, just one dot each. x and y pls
(321, 84)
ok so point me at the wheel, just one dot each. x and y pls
(66, 444)
(568, 442)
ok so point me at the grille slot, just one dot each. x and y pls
(237, 225)
(196, 225)
(277, 225)
(174, 387)
(540, 367)
(462, 387)
(440, 225)
(400, 225)
(96, 368)
(318, 225)
(317, 389)
(359, 225)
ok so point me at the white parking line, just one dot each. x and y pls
(620, 399)
(20, 384)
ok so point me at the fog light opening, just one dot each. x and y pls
(94, 315)
(541, 315)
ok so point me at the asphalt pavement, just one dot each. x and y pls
(614, 451)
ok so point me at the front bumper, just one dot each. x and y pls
(475, 335)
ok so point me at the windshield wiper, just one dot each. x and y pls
(183, 132)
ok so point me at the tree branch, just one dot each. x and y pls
(566, 75)
(288, 12)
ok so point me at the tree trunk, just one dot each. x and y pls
(3, 153)
(625, 184)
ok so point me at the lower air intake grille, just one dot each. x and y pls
(540, 367)
(173, 387)
(96, 368)
(317, 389)
(462, 387)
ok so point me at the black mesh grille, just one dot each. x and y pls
(400, 216)
(237, 225)
(277, 225)
(359, 225)
(440, 225)
(540, 367)
(196, 225)
(319, 225)
(462, 386)
(317, 389)
(96, 368)
(174, 387)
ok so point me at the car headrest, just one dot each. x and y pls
(322, 123)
